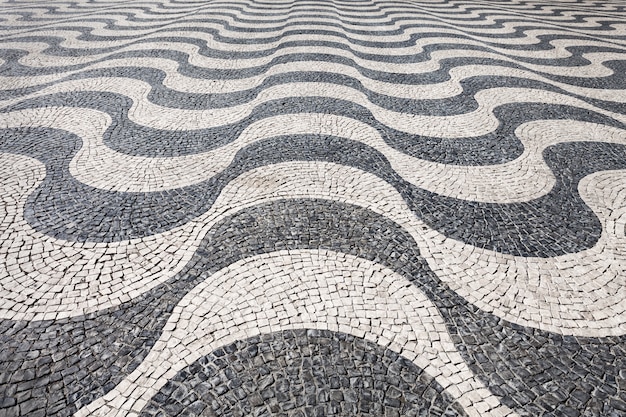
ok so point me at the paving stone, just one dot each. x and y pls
(313, 208)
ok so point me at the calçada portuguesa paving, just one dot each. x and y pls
(313, 208)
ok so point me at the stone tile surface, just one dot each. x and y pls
(312, 208)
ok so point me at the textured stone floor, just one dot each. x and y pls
(312, 208)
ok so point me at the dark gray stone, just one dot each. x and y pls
(291, 392)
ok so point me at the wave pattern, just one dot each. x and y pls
(294, 207)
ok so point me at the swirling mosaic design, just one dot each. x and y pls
(312, 208)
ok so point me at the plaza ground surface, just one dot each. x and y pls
(312, 208)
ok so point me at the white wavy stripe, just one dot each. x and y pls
(138, 17)
(498, 11)
(478, 122)
(72, 41)
(37, 59)
(47, 20)
(65, 279)
(249, 7)
(251, 10)
(579, 294)
(71, 38)
(317, 289)
(565, 23)
(445, 89)
(452, 7)
(44, 278)
(532, 4)
(511, 21)
(72, 7)
(242, 14)
(63, 10)
(390, 16)
(462, 8)
(387, 16)
(393, 20)
(576, 9)
(569, 19)
(523, 179)
(41, 10)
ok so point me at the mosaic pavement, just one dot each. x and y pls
(309, 208)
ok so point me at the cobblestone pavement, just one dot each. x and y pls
(309, 208)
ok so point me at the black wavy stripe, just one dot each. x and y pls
(558, 223)
(530, 370)
(548, 10)
(615, 81)
(555, 224)
(303, 372)
(462, 103)
(495, 147)
(451, 13)
(239, 11)
(360, 15)
(335, 30)
(527, 8)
